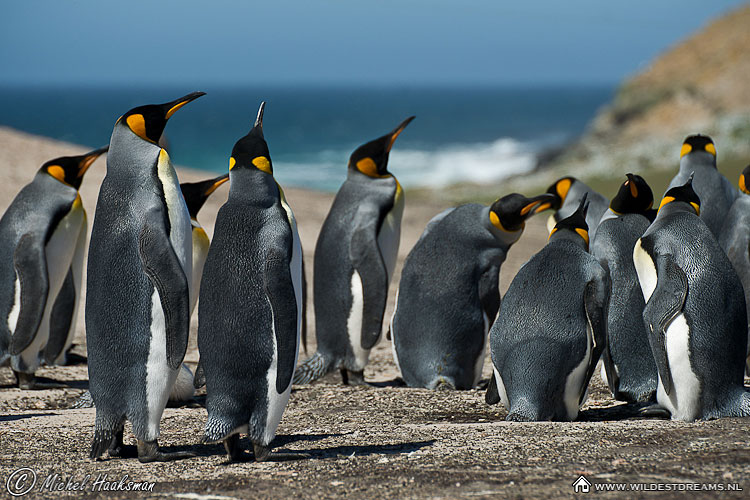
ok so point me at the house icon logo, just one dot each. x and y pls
(582, 485)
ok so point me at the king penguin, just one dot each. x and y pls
(250, 307)
(138, 284)
(716, 192)
(551, 329)
(42, 243)
(695, 313)
(448, 295)
(628, 366)
(354, 260)
(735, 240)
(568, 192)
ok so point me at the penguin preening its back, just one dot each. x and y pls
(551, 328)
(42, 243)
(138, 284)
(735, 240)
(250, 307)
(568, 192)
(716, 192)
(196, 194)
(354, 260)
(628, 367)
(695, 313)
(448, 295)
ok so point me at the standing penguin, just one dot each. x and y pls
(42, 242)
(551, 328)
(138, 287)
(354, 261)
(698, 158)
(735, 240)
(568, 192)
(695, 313)
(628, 367)
(448, 295)
(250, 308)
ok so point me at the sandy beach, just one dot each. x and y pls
(363, 442)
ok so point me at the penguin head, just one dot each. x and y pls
(575, 224)
(684, 195)
(560, 189)
(148, 122)
(371, 158)
(634, 197)
(251, 151)
(698, 148)
(70, 169)
(510, 212)
(196, 193)
(744, 177)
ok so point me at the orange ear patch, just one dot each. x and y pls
(262, 163)
(367, 166)
(562, 188)
(138, 125)
(57, 172)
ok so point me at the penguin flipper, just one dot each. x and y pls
(613, 379)
(369, 264)
(489, 293)
(304, 303)
(162, 266)
(662, 307)
(596, 300)
(61, 318)
(277, 281)
(199, 379)
(492, 396)
(30, 262)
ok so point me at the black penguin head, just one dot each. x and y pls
(685, 194)
(70, 169)
(634, 196)
(510, 212)
(251, 151)
(699, 146)
(196, 193)
(744, 177)
(576, 222)
(148, 122)
(560, 189)
(371, 158)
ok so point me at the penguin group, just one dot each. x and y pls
(656, 294)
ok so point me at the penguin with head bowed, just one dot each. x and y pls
(42, 243)
(551, 329)
(250, 307)
(694, 315)
(138, 284)
(716, 192)
(448, 295)
(628, 366)
(568, 192)
(354, 260)
(735, 240)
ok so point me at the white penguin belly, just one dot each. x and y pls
(59, 252)
(479, 363)
(200, 252)
(645, 269)
(159, 377)
(501, 389)
(575, 380)
(389, 236)
(684, 402)
(179, 219)
(393, 337)
(354, 324)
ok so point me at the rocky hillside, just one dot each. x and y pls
(702, 84)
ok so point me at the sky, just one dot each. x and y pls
(339, 42)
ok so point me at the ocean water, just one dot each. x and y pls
(460, 134)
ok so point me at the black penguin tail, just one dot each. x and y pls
(103, 439)
(442, 384)
(312, 369)
(85, 401)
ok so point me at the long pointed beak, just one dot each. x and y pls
(217, 182)
(397, 131)
(539, 204)
(173, 106)
(259, 118)
(90, 158)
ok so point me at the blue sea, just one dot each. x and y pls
(460, 134)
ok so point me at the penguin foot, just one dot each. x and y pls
(148, 451)
(235, 453)
(119, 450)
(28, 382)
(261, 452)
(72, 359)
(516, 417)
(349, 377)
(483, 384)
(655, 411)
